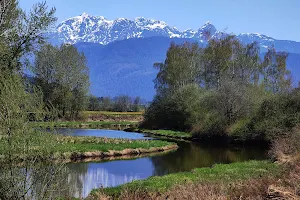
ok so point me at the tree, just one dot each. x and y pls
(136, 104)
(94, 103)
(21, 33)
(62, 74)
(276, 77)
(179, 69)
(122, 103)
(221, 81)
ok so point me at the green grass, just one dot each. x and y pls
(168, 133)
(88, 144)
(74, 124)
(225, 173)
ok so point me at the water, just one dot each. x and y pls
(102, 133)
(87, 176)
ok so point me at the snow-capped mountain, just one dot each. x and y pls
(121, 52)
(93, 29)
(87, 28)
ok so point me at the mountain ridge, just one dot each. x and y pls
(98, 29)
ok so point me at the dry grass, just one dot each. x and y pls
(254, 189)
(287, 149)
(288, 186)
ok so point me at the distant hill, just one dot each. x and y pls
(126, 67)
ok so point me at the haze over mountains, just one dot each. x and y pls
(121, 52)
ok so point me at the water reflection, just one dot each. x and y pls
(101, 133)
(87, 176)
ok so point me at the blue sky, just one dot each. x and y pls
(277, 18)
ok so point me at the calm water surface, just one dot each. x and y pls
(102, 133)
(86, 176)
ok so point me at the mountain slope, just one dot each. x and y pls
(125, 67)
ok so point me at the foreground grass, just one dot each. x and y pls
(221, 173)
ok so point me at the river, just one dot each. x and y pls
(85, 176)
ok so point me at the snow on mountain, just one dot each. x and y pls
(93, 29)
(88, 28)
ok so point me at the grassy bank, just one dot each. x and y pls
(67, 147)
(226, 174)
(75, 124)
(164, 133)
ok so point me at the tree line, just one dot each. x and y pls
(122, 103)
(224, 89)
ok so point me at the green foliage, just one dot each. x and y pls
(21, 32)
(277, 115)
(217, 89)
(175, 110)
(62, 74)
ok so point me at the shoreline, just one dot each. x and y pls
(215, 139)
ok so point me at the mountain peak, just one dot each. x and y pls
(97, 29)
(84, 14)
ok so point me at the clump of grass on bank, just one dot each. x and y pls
(218, 174)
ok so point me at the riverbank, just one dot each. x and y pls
(207, 139)
(76, 148)
(221, 176)
(242, 180)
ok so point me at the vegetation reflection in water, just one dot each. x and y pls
(84, 177)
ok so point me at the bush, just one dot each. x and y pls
(179, 110)
(276, 116)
